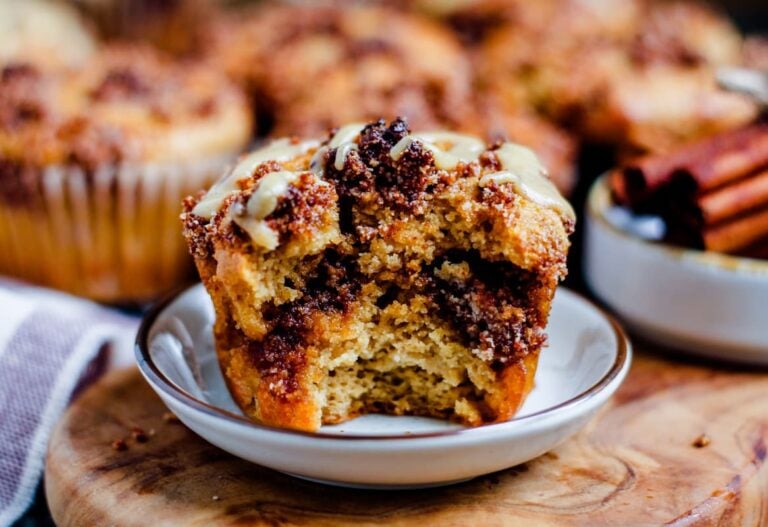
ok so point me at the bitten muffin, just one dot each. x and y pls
(43, 32)
(647, 86)
(313, 67)
(380, 271)
(94, 162)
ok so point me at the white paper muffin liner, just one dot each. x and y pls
(113, 235)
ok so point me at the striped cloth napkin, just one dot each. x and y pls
(51, 346)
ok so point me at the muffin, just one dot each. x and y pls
(43, 32)
(380, 272)
(474, 20)
(313, 67)
(647, 86)
(94, 162)
(174, 26)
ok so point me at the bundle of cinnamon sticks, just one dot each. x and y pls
(712, 194)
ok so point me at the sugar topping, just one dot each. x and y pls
(520, 168)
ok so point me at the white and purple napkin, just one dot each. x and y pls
(51, 346)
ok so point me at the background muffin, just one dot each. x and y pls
(646, 83)
(94, 162)
(174, 26)
(475, 20)
(313, 67)
(316, 67)
(44, 32)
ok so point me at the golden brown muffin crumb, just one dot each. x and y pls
(381, 271)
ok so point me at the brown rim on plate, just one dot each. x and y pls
(599, 200)
(150, 369)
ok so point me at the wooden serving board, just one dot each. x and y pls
(642, 461)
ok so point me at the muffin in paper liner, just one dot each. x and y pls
(94, 164)
(110, 236)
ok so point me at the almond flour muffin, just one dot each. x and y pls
(94, 161)
(382, 272)
(312, 67)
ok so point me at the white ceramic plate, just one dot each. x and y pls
(705, 303)
(586, 361)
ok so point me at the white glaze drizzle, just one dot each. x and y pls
(463, 148)
(341, 155)
(343, 141)
(261, 204)
(263, 201)
(279, 150)
(521, 166)
(523, 170)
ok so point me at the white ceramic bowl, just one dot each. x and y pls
(585, 363)
(701, 302)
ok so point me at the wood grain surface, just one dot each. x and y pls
(682, 443)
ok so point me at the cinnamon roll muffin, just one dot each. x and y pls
(317, 66)
(380, 271)
(94, 161)
(646, 87)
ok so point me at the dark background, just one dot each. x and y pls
(751, 15)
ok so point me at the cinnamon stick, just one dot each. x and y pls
(707, 164)
(759, 250)
(734, 199)
(737, 234)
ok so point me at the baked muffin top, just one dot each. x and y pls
(319, 66)
(649, 84)
(44, 32)
(569, 19)
(126, 104)
(419, 194)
